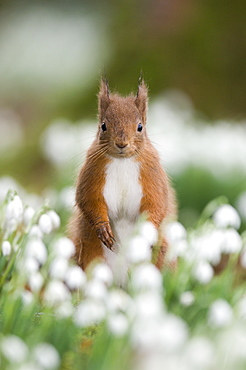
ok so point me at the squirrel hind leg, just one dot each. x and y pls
(87, 245)
(161, 259)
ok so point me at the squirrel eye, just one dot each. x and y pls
(104, 127)
(140, 127)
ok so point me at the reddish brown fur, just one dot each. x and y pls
(91, 224)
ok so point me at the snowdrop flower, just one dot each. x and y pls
(220, 314)
(28, 214)
(187, 298)
(145, 334)
(56, 293)
(89, 313)
(30, 265)
(149, 232)
(45, 224)
(173, 332)
(27, 297)
(67, 197)
(226, 216)
(75, 277)
(203, 272)
(58, 268)
(200, 353)
(119, 301)
(35, 281)
(118, 324)
(14, 349)
(63, 247)
(233, 342)
(55, 219)
(175, 232)
(149, 304)
(96, 290)
(36, 232)
(102, 272)
(64, 310)
(36, 248)
(138, 250)
(146, 277)
(46, 356)
(14, 209)
(232, 241)
(208, 246)
(6, 248)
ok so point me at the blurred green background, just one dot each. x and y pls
(192, 54)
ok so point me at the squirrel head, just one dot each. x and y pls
(122, 120)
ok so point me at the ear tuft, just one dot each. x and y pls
(103, 97)
(141, 100)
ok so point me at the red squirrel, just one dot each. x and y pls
(121, 179)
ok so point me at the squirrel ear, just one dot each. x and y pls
(103, 97)
(141, 100)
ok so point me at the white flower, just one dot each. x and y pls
(149, 232)
(145, 334)
(30, 265)
(173, 332)
(6, 248)
(36, 248)
(146, 277)
(138, 250)
(187, 298)
(35, 281)
(89, 312)
(233, 342)
(28, 215)
(56, 292)
(27, 297)
(64, 310)
(102, 272)
(58, 268)
(200, 353)
(47, 356)
(96, 289)
(14, 209)
(14, 349)
(175, 232)
(149, 304)
(36, 232)
(226, 216)
(232, 241)
(64, 247)
(118, 324)
(220, 314)
(208, 246)
(55, 219)
(119, 300)
(75, 277)
(45, 224)
(203, 272)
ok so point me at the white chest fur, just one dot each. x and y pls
(122, 191)
(122, 194)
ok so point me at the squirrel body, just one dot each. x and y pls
(121, 179)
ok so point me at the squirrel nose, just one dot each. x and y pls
(121, 145)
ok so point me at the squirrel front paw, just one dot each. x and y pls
(105, 234)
